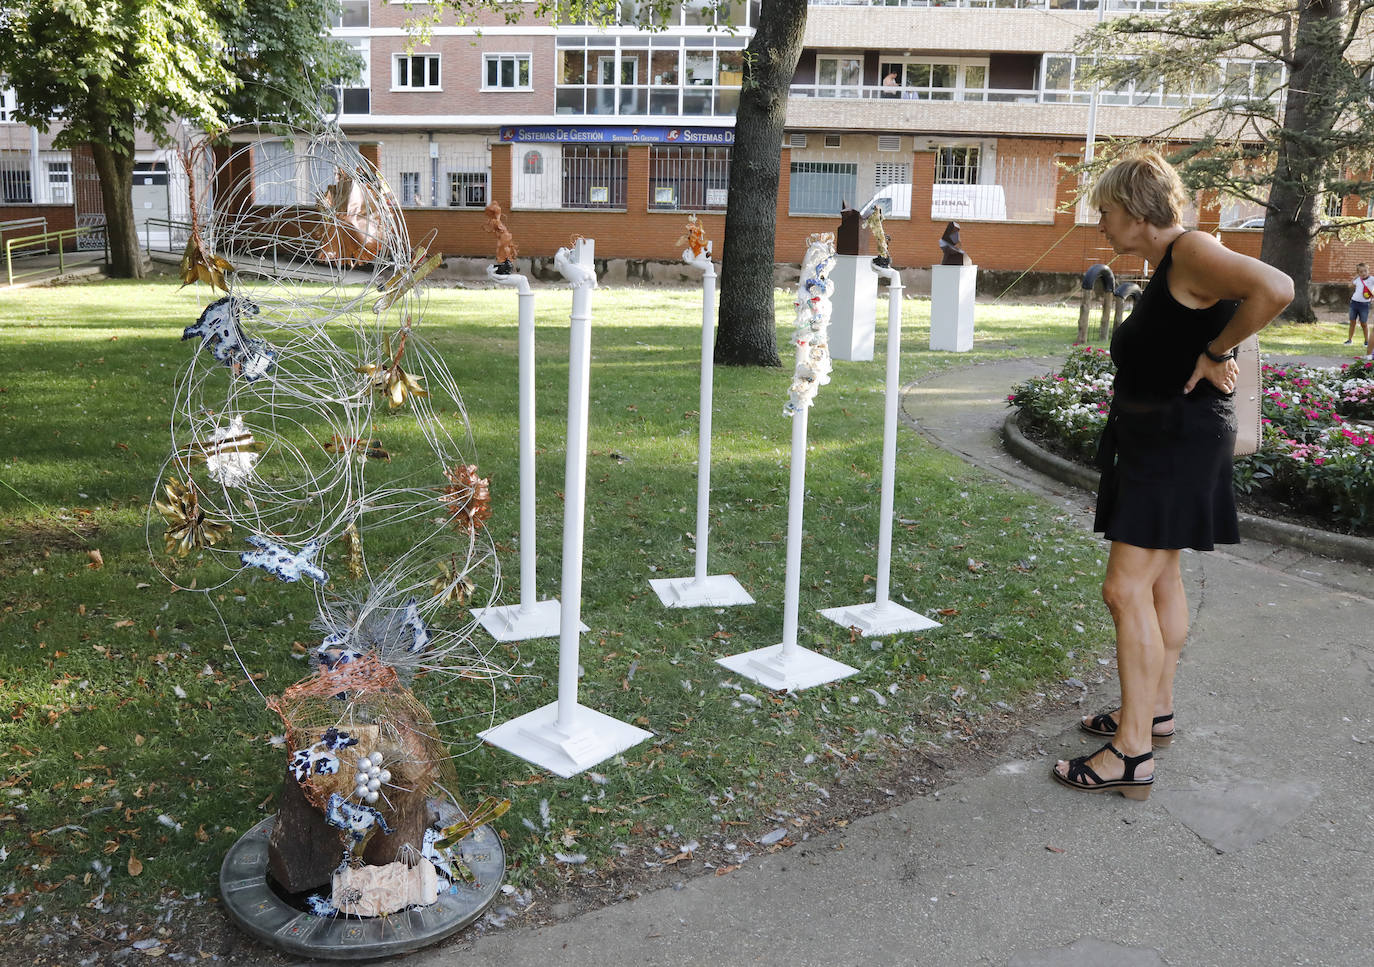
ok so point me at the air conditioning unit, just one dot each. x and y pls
(832, 140)
(889, 142)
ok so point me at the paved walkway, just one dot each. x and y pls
(1254, 848)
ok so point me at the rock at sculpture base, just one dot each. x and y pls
(304, 850)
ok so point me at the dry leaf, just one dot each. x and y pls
(126, 623)
(97, 562)
(135, 867)
(138, 740)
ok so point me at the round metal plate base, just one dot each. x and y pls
(263, 914)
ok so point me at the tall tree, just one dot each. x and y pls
(103, 70)
(1291, 122)
(745, 326)
(745, 332)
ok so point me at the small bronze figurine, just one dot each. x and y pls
(949, 245)
(847, 238)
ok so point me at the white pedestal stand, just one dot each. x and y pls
(565, 737)
(530, 618)
(951, 307)
(855, 309)
(702, 590)
(883, 616)
(787, 665)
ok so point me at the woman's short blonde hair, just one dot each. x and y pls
(1146, 186)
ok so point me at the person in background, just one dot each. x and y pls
(1166, 450)
(1359, 304)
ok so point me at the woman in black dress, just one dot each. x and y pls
(1166, 451)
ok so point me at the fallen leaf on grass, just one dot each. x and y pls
(126, 623)
(135, 867)
(97, 562)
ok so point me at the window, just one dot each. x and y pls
(532, 163)
(821, 188)
(946, 79)
(15, 183)
(839, 76)
(594, 176)
(468, 189)
(352, 13)
(688, 179)
(8, 103)
(60, 182)
(355, 97)
(150, 173)
(506, 72)
(957, 165)
(415, 72)
(410, 188)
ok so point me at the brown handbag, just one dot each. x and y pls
(1247, 398)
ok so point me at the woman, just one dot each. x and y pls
(1166, 450)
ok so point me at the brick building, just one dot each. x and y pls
(943, 109)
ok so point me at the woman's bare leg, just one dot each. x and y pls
(1129, 591)
(1171, 607)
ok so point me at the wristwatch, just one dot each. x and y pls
(1214, 357)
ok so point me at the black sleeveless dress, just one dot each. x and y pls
(1166, 457)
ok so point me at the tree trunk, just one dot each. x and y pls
(115, 164)
(1301, 170)
(745, 333)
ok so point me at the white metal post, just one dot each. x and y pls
(883, 616)
(531, 618)
(563, 736)
(701, 590)
(787, 665)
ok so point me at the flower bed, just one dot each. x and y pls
(1317, 451)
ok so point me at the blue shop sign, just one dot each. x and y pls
(577, 134)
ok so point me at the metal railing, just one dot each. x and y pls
(173, 234)
(44, 239)
(989, 94)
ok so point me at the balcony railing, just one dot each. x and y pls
(1105, 98)
(993, 94)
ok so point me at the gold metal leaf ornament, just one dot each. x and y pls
(187, 526)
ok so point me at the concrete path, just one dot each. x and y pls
(1254, 848)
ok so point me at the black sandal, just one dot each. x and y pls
(1081, 776)
(1104, 724)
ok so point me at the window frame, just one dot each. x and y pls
(498, 57)
(436, 58)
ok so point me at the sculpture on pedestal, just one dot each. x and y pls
(505, 242)
(949, 245)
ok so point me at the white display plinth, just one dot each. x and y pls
(951, 307)
(703, 590)
(882, 616)
(878, 619)
(565, 744)
(854, 308)
(786, 668)
(712, 591)
(566, 737)
(523, 622)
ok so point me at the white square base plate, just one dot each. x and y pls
(516, 622)
(591, 737)
(716, 591)
(876, 620)
(787, 669)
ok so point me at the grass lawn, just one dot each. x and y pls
(134, 742)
